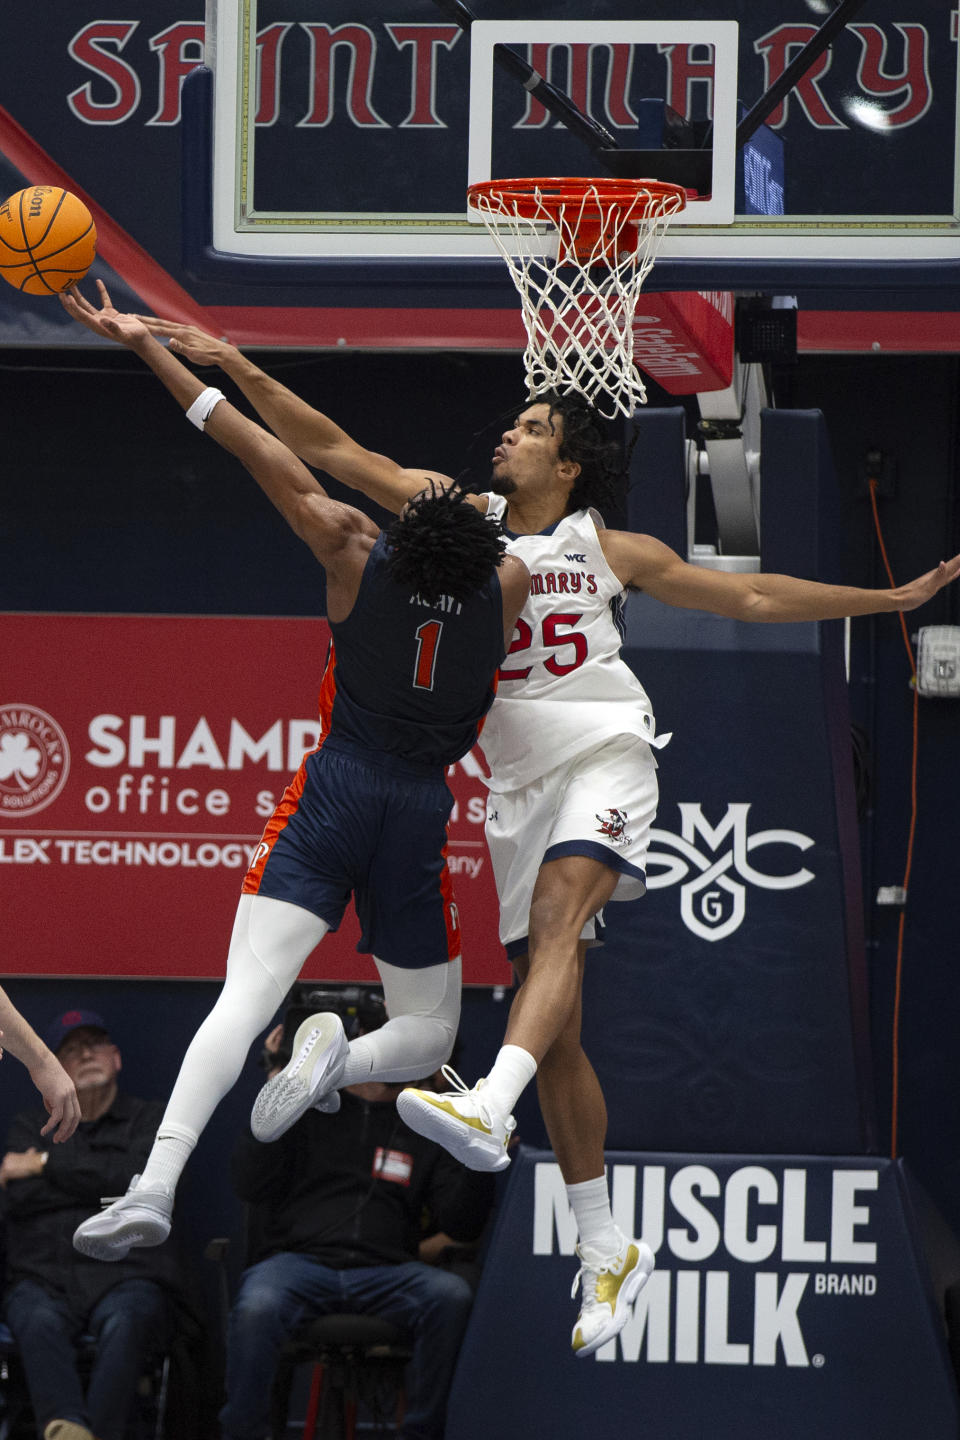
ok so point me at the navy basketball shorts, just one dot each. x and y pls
(375, 828)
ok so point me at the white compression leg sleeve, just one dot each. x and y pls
(271, 940)
(424, 1010)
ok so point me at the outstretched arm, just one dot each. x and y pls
(648, 565)
(313, 436)
(55, 1086)
(326, 525)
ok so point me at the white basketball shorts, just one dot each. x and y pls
(601, 804)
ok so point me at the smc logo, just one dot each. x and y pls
(712, 902)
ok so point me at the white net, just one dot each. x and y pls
(579, 300)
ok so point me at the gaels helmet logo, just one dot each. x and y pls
(612, 824)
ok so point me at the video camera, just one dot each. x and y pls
(360, 1007)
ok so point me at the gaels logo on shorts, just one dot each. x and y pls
(34, 760)
(612, 825)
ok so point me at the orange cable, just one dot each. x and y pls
(898, 977)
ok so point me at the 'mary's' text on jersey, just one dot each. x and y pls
(562, 582)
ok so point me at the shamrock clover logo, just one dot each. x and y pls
(34, 760)
(20, 760)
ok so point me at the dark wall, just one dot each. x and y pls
(109, 501)
(908, 409)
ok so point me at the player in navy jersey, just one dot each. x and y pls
(420, 618)
(570, 741)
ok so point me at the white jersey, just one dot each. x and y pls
(563, 686)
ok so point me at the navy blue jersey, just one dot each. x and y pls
(411, 679)
(373, 826)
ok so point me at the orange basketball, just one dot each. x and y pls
(48, 240)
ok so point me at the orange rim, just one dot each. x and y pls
(598, 196)
(626, 205)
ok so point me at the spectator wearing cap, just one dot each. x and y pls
(53, 1294)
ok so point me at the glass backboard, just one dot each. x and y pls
(346, 137)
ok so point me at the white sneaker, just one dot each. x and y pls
(461, 1121)
(610, 1286)
(308, 1081)
(139, 1218)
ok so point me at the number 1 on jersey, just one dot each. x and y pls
(428, 638)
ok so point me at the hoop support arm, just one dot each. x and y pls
(797, 68)
(560, 106)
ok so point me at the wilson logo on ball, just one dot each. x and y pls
(48, 240)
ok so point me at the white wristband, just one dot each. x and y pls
(203, 407)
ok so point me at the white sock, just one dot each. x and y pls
(171, 1151)
(512, 1072)
(590, 1203)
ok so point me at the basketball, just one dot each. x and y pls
(48, 240)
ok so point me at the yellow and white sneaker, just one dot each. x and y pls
(308, 1081)
(610, 1286)
(461, 1121)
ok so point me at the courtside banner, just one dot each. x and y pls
(140, 757)
(791, 1299)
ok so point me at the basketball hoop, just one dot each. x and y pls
(579, 303)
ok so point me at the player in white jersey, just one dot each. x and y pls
(566, 693)
(567, 651)
(552, 465)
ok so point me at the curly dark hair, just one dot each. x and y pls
(443, 545)
(601, 460)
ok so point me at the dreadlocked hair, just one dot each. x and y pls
(601, 460)
(442, 545)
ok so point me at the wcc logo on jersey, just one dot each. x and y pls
(711, 865)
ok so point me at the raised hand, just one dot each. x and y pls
(107, 321)
(189, 341)
(919, 591)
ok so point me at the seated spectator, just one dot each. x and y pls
(55, 1296)
(335, 1225)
